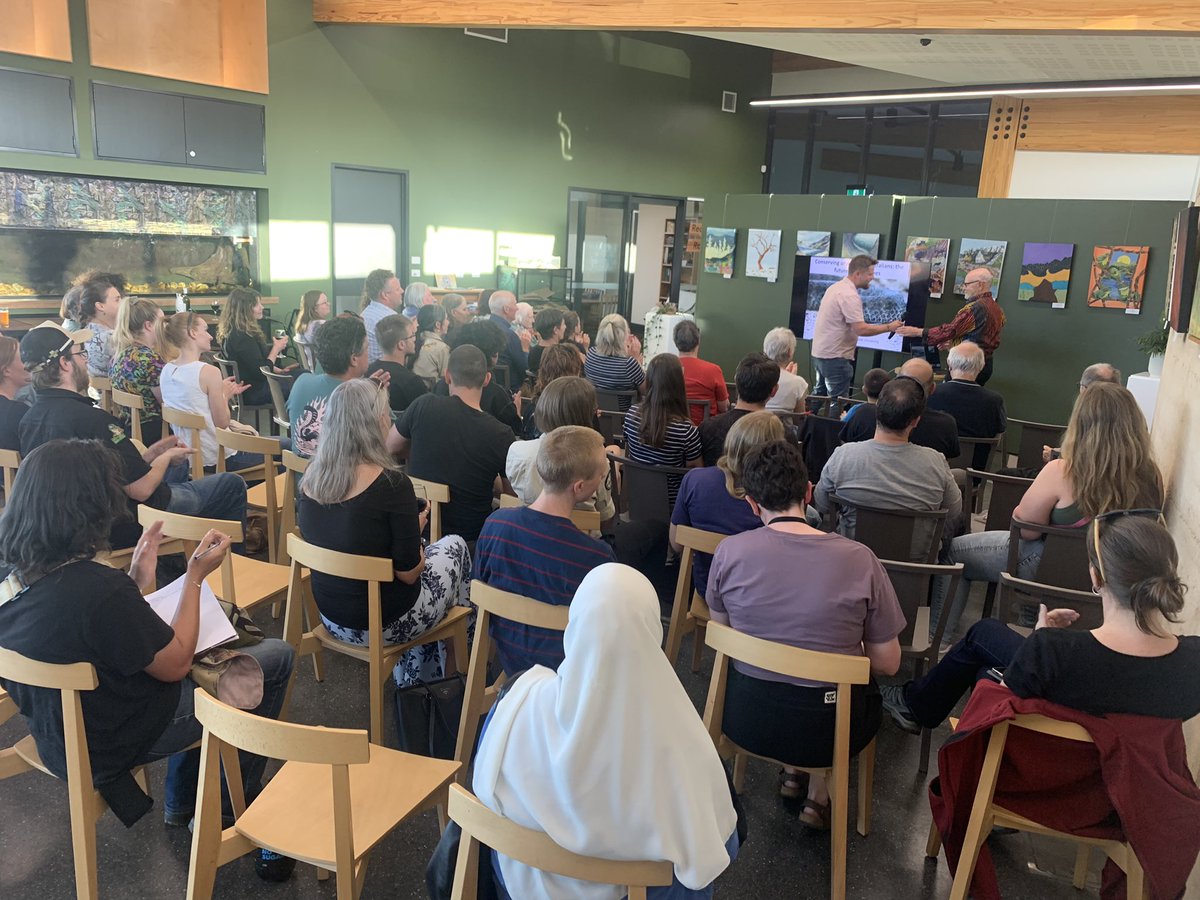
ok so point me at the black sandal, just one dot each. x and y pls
(815, 815)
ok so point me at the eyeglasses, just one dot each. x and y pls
(965, 283)
(1146, 511)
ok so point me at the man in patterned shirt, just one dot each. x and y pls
(980, 321)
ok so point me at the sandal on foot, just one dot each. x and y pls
(792, 785)
(815, 815)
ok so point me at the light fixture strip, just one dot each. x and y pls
(969, 93)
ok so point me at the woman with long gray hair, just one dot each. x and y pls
(355, 499)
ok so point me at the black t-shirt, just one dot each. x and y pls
(713, 432)
(381, 521)
(936, 430)
(404, 387)
(11, 413)
(977, 411)
(59, 413)
(89, 612)
(1072, 668)
(496, 402)
(251, 355)
(459, 446)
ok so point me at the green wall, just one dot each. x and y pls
(472, 121)
(1042, 351)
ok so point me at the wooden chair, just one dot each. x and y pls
(481, 826)
(302, 627)
(195, 424)
(1064, 561)
(583, 519)
(689, 613)
(1015, 592)
(479, 697)
(86, 804)
(986, 814)
(242, 581)
(1034, 435)
(731, 387)
(836, 668)
(229, 369)
(920, 640)
(819, 435)
(336, 797)
(275, 382)
(615, 401)
(1006, 494)
(892, 533)
(438, 495)
(103, 386)
(10, 461)
(264, 497)
(134, 404)
(967, 447)
(611, 425)
(294, 466)
(704, 405)
(645, 492)
(502, 376)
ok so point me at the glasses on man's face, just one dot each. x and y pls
(1145, 511)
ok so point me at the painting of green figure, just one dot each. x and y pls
(1118, 278)
(720, 245)
(1046, 273)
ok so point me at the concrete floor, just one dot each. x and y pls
(780, 859)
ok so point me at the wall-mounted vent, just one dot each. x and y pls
(728, 101)
(500, 35)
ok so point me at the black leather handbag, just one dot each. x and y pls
(427, 716)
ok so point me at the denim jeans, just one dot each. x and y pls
(984, 556)
(183, 769)
(221, 496)
(834, 377)
(988, 643)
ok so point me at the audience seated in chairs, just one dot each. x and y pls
(757, 380)
(558, 361)
(63, 410)
(69, 608)
(13, 377)
(614, 362)
(658, 429)
(702, 380)
(1094, 373)
(977, 411)
(936, 430)
(1107, 463)
(137, 360)
(431, 351)
(452, 441)
(496, 401)
(712, 498)
(635, 776)
(342, 351)
(314, 311)
(551, 326)
(354, 499)
(99, 303)
(193, 386)
(576, 336)
(844, 603)
(536, 550)
(396, 337)
(889, 471)
(780, 346)
(873, 383)
(243, 341)
(515, 353)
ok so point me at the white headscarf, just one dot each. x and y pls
(607, 756)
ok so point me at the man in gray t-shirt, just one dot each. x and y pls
(888, 472)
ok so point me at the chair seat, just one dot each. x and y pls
(294, 813)
(699, 609)
(26, 748)
(920, 637)
(256, 581)
(256, 497)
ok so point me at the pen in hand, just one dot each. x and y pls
(206, 552)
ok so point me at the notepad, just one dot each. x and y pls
(214, 624)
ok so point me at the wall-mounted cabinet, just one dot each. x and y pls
(37, 113)
(161, 127)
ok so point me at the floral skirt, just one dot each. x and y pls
(446, 582)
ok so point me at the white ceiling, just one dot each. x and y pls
(992, 58)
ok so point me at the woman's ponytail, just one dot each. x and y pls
(1162, 594)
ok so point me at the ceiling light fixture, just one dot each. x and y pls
(982, 91)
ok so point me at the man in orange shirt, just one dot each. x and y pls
(702, 380)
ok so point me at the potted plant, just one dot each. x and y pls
(1154, 343)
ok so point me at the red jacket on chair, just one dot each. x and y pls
(1132, 784)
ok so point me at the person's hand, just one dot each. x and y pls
(279, 346)
(208, 556)
(242, 428)
(383, 378)
(1047, 453)
(790, 368)
(516, 398)
(585, 339)
(1055, 618)
(177, 454)
(231, 388)
(526, 339)
(423, 519)
(908, 330)
(144, 564)
(632, 345)
(158, 448)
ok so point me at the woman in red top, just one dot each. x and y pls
(703, 380)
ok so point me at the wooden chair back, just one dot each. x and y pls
(10, 462)
(269, 450)
(294, 467)
(1015, 592)
(615, 401)
(583, 519)
(731, 387)
(1064, 561)
(193, 424)
(1033, 436)
(275, 382)
(190, 530)
(645, 490)
(819, 435)
(689, 612)
(967, 448)
(481, 826)
(611, 425)
(134, 404)
(502, 376)
(897, 533)
(704, 405)
(229, 369)
(493, 603)
(1007, 491)
(102, 385)
(438, 495)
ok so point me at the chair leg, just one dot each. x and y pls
(739, 771)
(378, 679)
(839, 788)
(989, 600)
(926, 746)
(83, 843)
(980, 823)
(1082, 854)
(1135, 877)
(933, 846)
(697, 645)
(866, 787)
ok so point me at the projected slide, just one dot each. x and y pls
(885, 299)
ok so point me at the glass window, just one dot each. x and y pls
(787, 151)
(959, 134)
(839, 136)
(896, 158)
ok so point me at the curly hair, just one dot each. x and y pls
(238, 315)
(774, 476)
(558, 361)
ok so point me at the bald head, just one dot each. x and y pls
(965, 361)
(503, 303)
(978, 281)
(921, 371)
(1099, 372)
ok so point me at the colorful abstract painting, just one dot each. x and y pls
(935, 252)
(977, 254)
(762, 253)
(1046, 273)
(1118, 279)
(720, 244)
(813, 243)
(860, 243)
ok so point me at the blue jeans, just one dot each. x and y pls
(988, 643)
(221, 496)
(984, 556)
(834, 377)
(183, 769)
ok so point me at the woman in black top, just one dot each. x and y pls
(354, 499)
(1131, 664)
(243, 341)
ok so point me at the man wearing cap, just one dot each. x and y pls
(57, 361)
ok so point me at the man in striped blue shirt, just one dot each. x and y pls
(537, 551)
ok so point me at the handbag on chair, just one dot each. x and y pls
(427, 716)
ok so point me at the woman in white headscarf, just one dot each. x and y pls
(607, 755)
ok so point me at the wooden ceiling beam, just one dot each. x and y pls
(925, 16)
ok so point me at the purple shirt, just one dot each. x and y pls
(704, 503)
(818, 592)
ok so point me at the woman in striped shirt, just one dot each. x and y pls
(659, 431)
(615, 362)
